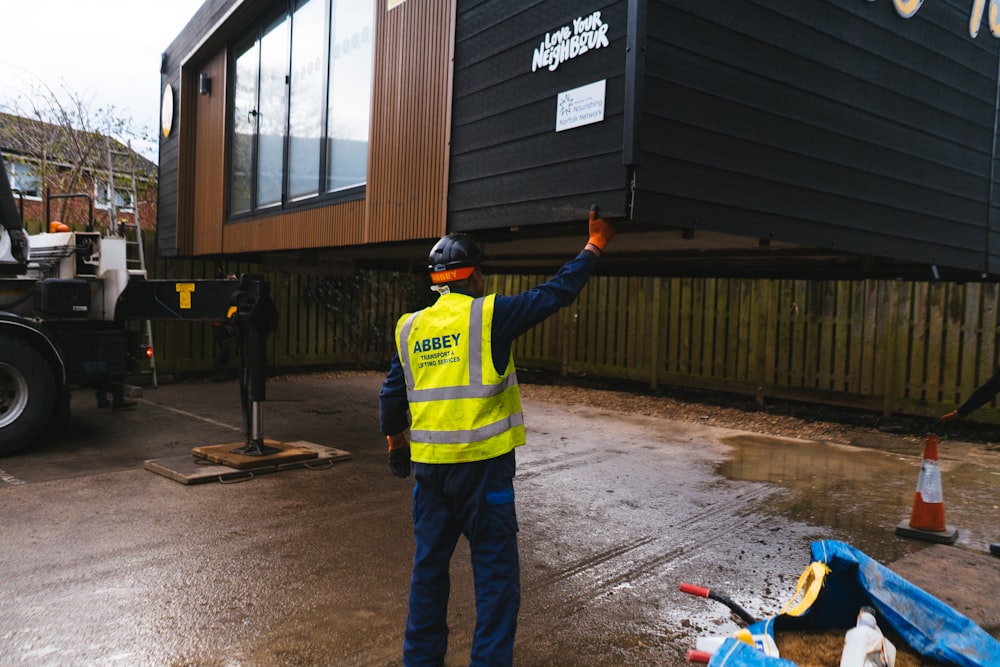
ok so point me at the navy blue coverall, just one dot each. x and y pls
(472, 499)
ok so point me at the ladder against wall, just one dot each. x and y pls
(125, 221)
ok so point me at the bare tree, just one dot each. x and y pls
(73, 147)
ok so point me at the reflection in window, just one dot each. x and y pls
(271, 109)
(305, 121)
(23, 178)
(244, 129)
(300, 105)
(350, 92)
(123, 198)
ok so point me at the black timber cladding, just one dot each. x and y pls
(508, 164)
(835, 124)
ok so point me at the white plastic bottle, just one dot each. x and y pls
(865, 646)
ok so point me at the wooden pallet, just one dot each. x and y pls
(215, 463)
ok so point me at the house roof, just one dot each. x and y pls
(30, 137)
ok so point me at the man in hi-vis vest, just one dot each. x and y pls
(451, 405)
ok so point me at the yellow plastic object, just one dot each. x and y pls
(807, 590)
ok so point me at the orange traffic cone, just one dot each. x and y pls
(927, 518)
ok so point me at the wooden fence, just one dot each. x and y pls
(890, 346)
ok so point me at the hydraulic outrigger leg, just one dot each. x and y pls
(255, 317)
(246, 304)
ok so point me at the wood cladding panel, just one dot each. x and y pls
(320, 227)
(210, 158)
(411, 117)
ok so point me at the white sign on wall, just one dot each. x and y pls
(581, 106)
(586, 33)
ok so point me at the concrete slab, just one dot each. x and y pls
(106, 564)
(192, 469)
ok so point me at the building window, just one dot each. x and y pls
(300, 107)
(23, 178)
(123, 198)
(244, 129)
(272, 105)
(307, 86)
(350, 93)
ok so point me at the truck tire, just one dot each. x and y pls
(27, 394)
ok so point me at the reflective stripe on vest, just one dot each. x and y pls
(458, 414)
(459, 437)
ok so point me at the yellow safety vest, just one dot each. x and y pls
(461, 409)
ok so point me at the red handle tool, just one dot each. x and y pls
(719, 597)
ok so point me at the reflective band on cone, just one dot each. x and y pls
(928, 501)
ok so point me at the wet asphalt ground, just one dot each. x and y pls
(108, 563)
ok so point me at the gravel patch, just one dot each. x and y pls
(773, 417)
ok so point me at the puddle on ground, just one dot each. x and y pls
(862, 494)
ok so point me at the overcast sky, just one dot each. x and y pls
(105, 51)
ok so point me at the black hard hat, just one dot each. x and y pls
(454, 251)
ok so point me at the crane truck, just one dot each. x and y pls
(66, 298)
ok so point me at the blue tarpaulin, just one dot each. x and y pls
(928, 626)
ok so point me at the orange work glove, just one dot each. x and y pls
(399, 454)
(601, 231)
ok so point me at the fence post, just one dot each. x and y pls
(891, 351)
(565, 323)
(655, 336)
(761, 341)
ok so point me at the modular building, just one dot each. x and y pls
(831, 138)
